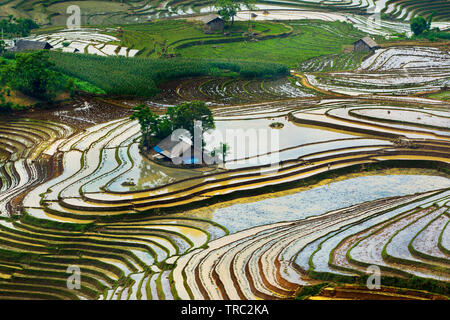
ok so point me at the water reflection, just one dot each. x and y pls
(328, 195)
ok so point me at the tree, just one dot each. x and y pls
(223, 149)
(32, 74)
(430, 18)
(2, 46)
(228, 8)
(185, 115)
(147, 120)
(418, 25)
(17, 27)
(182, 116)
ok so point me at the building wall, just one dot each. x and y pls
(361, 46)
(215, 25)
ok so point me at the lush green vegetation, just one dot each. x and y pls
(422, 29)
(309, 39)
(8, 106)
(140, 77)
(301, 40)
(17, 27)
(228, 8)
(32, 74)
(183, 116)
(158, 38)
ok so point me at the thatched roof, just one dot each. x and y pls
(22, 45)
(369, 41)
(207, 19)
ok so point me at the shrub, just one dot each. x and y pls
(418, 25)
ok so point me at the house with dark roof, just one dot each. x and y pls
(178, 150)
(213, 22)
(24, 45)
(365, 44)
(182, 151)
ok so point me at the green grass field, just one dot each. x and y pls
(151, 37)
(309, 39)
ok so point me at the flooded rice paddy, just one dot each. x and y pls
(97, 180)
(315, 200)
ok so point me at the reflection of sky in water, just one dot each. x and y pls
(253, 137)
(324, 198)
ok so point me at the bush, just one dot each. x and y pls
(32, 75)
(418, 25)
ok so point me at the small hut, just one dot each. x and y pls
(182, 151)
(365, 44)
(177, 150)
(212, 22)
(24, 45)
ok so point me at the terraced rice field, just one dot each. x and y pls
(317, 198)
(407, 9)
(85, 40)
(78, 211)
(223, 91)
(396, 71)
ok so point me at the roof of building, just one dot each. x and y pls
(369, 41)
(182, 150)
(210, 17)
(22, 45)
(173, 148)
(70, 50)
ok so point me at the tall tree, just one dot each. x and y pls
(147, 120)
(187, 113)
(223, 149)
(229, 8)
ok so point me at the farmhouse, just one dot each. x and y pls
(181, 151)
(212, 22)
(365, 44)
(23, 45)
(178, 151)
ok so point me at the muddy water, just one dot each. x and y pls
(330, 194)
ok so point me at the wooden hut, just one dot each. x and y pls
(365, 44)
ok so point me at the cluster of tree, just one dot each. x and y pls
(17, 27)
(183, 116)
(422, 28)
(32, 74)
